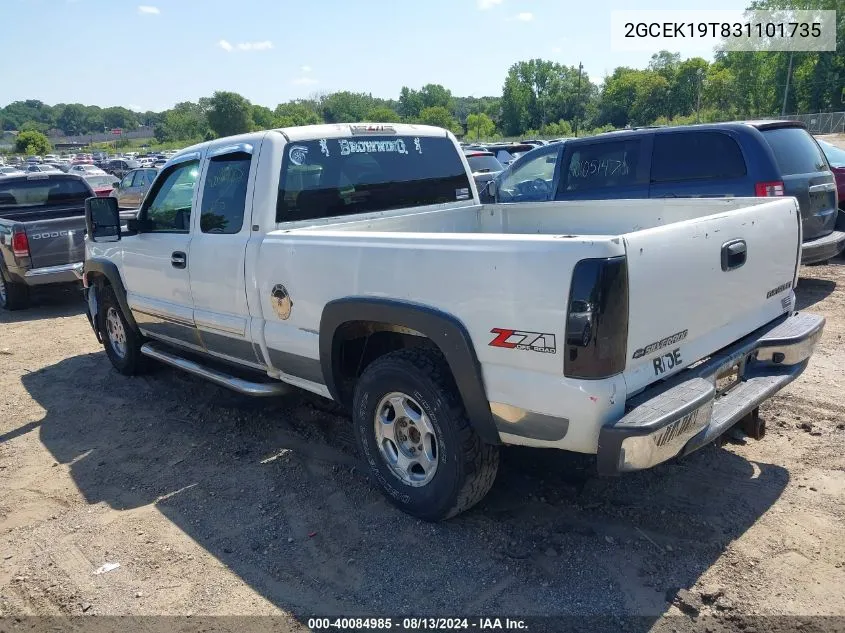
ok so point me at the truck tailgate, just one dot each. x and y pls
(53, 242)
(691, 293)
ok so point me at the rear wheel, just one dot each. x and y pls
(122, 343)
(414, 433)
(13, 296)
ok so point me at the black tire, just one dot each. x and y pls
(466, 466)
(131, 362)
(13, 296)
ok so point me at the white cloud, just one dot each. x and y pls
(135, 107)
(305, 69)
(525, 17)
(488, 4)
(557, 49)
(255, 46)
(245, 46)
(304, 81)
(148, 10)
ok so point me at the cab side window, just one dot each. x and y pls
(600, 165)
(168, 205)
(224, 193)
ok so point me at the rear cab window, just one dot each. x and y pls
(484, 163)
(795, 150)
(700, 155)
(325, 178)
(38, 191)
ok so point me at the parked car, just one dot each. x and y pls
(31, 160)
(159, 163)
(120, 166)
(483, 165)
(86, 170)
(42, 225)
(534, 142)
(836, 159)
(269, 250)
(755, 158)
(103, 185)
(50, 158)
(10, 171)
(36, 168)
(506, 153)
(130, 191)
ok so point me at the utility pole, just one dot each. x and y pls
(786, 88)
(700, 74)
(578, 97)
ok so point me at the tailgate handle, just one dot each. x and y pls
(178, 259)
(734, 254)
(828, 186)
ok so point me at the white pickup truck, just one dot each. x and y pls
(355, 261)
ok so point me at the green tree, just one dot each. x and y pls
(480, 126)
(229, 113)
(347, 107)
(383, 114)
(441, 117)
(296, 113)
(32, 143)
(263, 117)
(185, 121)
(119, 117)
(538, 92)
(73, 119)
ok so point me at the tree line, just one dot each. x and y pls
(539, 97)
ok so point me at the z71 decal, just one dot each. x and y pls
(525, 341)
(667, 362)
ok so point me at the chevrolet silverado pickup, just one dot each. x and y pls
(356, 262)
(42, 231)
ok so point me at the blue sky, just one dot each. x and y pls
(154, 53)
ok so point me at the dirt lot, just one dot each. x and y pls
(216, 504)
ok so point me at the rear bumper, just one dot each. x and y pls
(823, 248)
(683, 414)
(64, 273)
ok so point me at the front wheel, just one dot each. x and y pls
(122, 343)
(414, 434)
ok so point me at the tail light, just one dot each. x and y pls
(20, 245)
(768, 189)
(597, 319)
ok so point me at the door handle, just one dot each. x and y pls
(178, 259)
(734, 254)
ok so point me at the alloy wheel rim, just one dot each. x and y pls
(116, 332)
(406, 439)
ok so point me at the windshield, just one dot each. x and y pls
(484, 164)
(43, 191)
(835, 156)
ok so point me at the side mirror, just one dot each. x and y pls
(102, 218)
(491, 189)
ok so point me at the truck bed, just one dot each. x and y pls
(577, 218)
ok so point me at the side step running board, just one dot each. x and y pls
(240, 385)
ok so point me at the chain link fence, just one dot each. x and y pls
(821, 123)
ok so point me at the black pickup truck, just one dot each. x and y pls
(42, 233)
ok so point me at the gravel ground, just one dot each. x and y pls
(214, 504)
